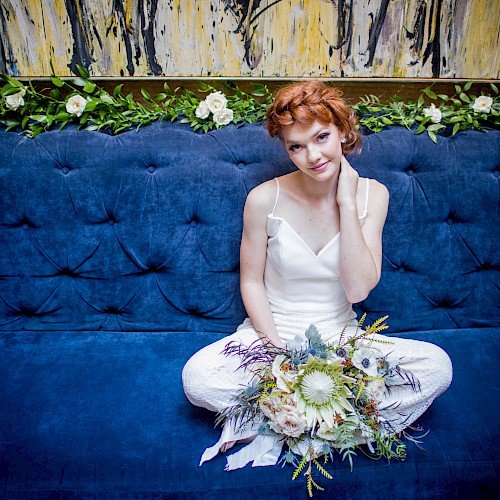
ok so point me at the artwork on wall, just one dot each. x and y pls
(252, 38)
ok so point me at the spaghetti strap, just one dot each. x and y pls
(277, 195)
(365, 211)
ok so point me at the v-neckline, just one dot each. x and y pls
(332, 239)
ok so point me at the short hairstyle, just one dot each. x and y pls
(308, 101)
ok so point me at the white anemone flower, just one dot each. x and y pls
(365, 360)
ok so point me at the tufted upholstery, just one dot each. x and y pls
(119, 259)
(141, 231)
(132, 232)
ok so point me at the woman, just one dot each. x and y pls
(311, 246)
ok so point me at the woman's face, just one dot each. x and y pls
(315, 149)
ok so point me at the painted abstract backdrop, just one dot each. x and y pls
(252, 38)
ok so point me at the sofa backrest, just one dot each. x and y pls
(141, 231)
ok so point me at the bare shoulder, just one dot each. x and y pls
(378, 190)
(261, 199)
(378, 197)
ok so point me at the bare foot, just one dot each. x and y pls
(227, 446)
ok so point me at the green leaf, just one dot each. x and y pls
(456, 128)
(62, 116)
(118, 89)
(57, 81)
(494, 88)
(432, 135)
(430, 93)
(90, 106)
(39, 118)
(420, 129)
(9, 90)
(464, 97)
(83, 71)
(146, 96)
(55, 94)
(161, 96)
(420, 101)
(444, 97)
(458, 89)
(467, 86)
(89, 87)
(80, 82)
(107, 99)
(434, 127)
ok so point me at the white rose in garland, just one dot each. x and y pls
(482, 104)
(16, 100)
(434, 113)
(216, 101)
(223, 116)
(202, 111)
(76, 105)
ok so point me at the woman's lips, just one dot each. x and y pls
(320, 167)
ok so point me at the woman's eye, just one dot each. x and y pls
(294, 147)
(323, 136)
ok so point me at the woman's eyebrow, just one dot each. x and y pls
(315, 134)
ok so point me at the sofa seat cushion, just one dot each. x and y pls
(103, 415)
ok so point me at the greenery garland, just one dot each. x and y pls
(83, 102)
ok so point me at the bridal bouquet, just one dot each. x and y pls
(320, 399)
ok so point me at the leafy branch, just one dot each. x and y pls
(81, 101)
(452, 114)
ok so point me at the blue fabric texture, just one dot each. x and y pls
(119, 259)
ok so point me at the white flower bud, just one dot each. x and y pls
(202, 111)
(216, 101)
(15, 100)
(482, 104)
(223, 116)
(76, 105)
(434, 113)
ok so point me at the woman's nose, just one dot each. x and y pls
(313, 154)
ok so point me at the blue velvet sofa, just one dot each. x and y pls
(119, 259)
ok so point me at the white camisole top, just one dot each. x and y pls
(295, 277)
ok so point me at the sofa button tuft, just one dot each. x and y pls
(496, 173)
(193, 223)
(26, 226)
(401, 269)
(449, 220)
(151, 169)
(241, 165)
(65, 170)
(410, 172)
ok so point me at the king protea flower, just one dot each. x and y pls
(322, 391)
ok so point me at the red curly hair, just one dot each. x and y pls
(306, 102)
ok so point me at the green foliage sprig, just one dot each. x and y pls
(81, 101)
(458, 112)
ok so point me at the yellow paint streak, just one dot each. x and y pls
(478, 44)
(290, 39)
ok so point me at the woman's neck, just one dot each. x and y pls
(317, 191)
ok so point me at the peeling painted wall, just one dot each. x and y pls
(252, 38)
